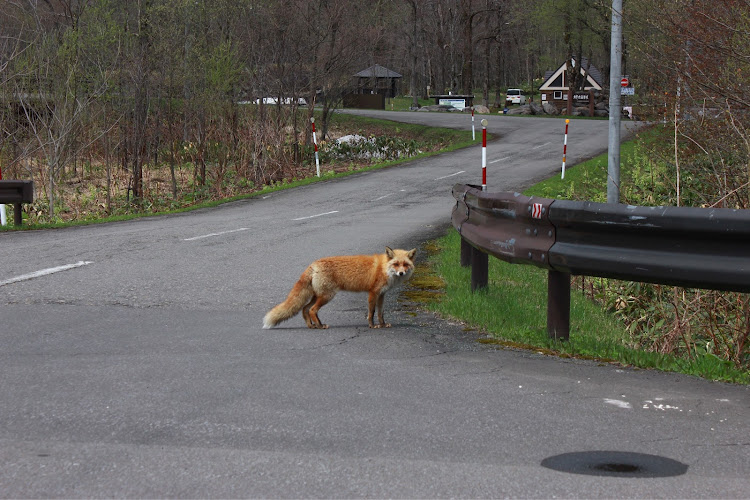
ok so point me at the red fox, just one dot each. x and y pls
(374, 274)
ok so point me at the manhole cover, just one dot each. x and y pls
(615, 464)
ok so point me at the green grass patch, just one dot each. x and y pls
(404, 103)
(587, 180)
(513, 311)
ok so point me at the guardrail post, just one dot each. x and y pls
(17, 214)
(16, 192)
(558, 305)
(465, 253)
(479, 269)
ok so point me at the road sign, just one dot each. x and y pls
(624, 82)
(627, 91)
(456, 103)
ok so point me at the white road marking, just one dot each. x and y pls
(500, 159)
(451, 175)
(620, 404)
(44, 272)
(384, 196)
(542, 145)
(317, 215)
(215, 234)
(659, 406)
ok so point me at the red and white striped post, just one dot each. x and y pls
(473, 133)
(315, 141)
(3, 220)
(565, 148)
(484, 155)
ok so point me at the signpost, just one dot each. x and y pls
(626, 87)
(456, 103)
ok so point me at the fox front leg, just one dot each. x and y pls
(371, 302)
(383, 324)
(376, 300)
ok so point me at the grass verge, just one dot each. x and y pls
(513, 308)
(434, 140)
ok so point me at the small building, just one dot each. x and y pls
(555, 87)
(378, 80)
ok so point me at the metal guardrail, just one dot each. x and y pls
(15, 193)
(692, 247)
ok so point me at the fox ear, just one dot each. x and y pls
(412, 253)
(389, 252)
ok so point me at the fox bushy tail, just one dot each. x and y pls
(301, 294)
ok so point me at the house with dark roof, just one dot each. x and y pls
(555, 87)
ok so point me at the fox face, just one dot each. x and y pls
(400, 263)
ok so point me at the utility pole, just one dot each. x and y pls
(615, 109)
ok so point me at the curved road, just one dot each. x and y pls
(133, 363)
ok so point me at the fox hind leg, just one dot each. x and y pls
(312, 311)
(306, 312)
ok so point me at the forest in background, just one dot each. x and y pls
(124, 86)
(124, 101)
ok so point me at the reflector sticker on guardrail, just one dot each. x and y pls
(536, 212)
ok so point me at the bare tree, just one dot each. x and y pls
(66, 70)
(11, 48)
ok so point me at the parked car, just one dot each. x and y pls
(514, 96)
(301, 101)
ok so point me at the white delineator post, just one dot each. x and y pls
(565, 148)
(3, 220)
(473, 133)
(315, 142)
(484, 155)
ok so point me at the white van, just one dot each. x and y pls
(514, 96)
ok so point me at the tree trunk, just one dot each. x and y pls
(467, 76)
(414, 59)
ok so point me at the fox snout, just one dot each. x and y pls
(400, 270)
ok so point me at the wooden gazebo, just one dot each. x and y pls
(378, 80)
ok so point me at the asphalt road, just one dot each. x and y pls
(133, 363)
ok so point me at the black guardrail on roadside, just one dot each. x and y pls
(692, 247)
(685, 246)
(15, 193)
